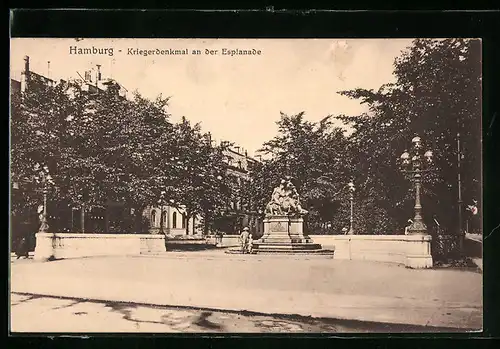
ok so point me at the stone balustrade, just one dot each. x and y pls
(413, 251)
(74, 245)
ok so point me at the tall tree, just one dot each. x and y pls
(39, 134)
(200, 187)
(314, 155)
(99, 146)
(436, 95)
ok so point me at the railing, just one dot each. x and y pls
(444, 245)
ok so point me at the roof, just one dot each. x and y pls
(242, 155)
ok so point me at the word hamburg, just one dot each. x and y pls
(74, 50)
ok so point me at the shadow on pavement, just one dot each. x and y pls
(198, 319)
(76, 302)
(189, 247)
(29, 298)
(203, 321)
(126, 310)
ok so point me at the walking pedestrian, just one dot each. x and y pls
(218, 238)
(244, 239)
(22, 249)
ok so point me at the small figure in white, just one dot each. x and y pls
(408, 226)
(244, 239)
(250, 244)
(473, 208)
(40, 213)
(218, 238)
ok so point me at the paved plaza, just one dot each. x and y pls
(219, 287)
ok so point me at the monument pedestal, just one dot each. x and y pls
(285, 234)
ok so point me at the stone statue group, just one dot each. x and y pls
(285, 200)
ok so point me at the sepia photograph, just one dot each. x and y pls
(245, 185)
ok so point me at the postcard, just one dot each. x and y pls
(245, 185)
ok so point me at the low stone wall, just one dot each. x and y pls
(74, 245)
(227, 241)
(230, 241)
(194, 242)
(188, 240)
(410, 250)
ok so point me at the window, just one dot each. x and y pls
(183, 221)
(174, 220)
(153, 218)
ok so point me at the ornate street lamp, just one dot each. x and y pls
(161, 202)
(351, 192)
(414, 164)
(42, 175)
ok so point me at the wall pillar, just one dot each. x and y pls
(419, 252)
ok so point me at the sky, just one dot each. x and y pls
(237, 98)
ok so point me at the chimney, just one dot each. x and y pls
(237, 148)
(26, 64)
(48, 69)
(98, 76)
(25, 75)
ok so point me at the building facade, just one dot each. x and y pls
(238, 213)
(174, 221)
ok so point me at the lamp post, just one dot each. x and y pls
(351, 192)
(460, 202)
(414, 164)
(161, 202)
(82, 213)
(42, 175)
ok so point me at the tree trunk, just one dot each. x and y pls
(205, 224)
(133, 217)
(82, 217)
(138, 228)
